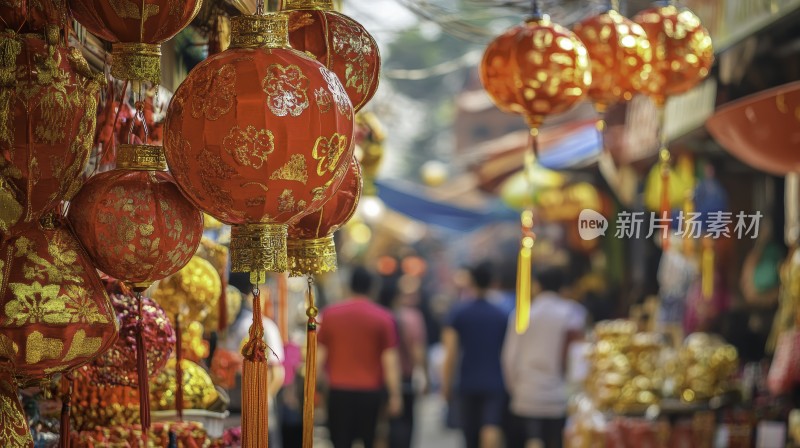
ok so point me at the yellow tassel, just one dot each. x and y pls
(310, 383)
(707, 273)
(255, 380)
(524, 261)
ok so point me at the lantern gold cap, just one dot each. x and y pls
(312, 256)
(269, 30)
(141, 158)
(321, 5)
(259, 248)
(136, 61)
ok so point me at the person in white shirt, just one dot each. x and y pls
(534, 364)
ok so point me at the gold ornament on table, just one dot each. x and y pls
(198, 389)
(706, 366)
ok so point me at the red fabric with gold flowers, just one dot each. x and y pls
(48, 99)
(335, 213)
(123, 20)
(31, 15)
(536, 69)
(136, 225)
(54, 311)
(682, 50)
(342, 45)
(259, 135)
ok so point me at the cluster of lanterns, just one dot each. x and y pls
(259, 136)
(539, 68)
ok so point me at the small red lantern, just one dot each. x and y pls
(258, 136)
(536, 69)
(620, 55)
(48, 98)
(311, 247)
(54, 311)
(136, 30)
(134, 221)
(338, 42)
(32, 15)
(682, 50)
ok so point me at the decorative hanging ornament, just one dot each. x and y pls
(198, 389)
(32, 15)
(682, 50)
(311, 247)
(134, 221)
(219, 318)
(536, 69)
(191, 292)
(258, 136)
(54, 311)
(48, 97)
(620, 57)
(338, 42)
(136, 30)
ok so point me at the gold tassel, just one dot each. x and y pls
(255, 379)
(310, 383)
(707, 270)
(524, 262)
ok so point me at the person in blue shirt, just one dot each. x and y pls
(473, 340)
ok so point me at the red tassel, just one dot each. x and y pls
(66, 405)
(142, 373)
(178, 368)
(310, 383)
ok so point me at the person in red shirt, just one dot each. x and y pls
(358, 352)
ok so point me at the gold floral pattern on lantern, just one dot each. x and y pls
(218, 90)
(336, 89)
(13, 425)
(295, 170)
(328, 151)
(250, 146)
(285, 87)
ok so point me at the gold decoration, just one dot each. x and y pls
(190, 292)
(82, 346)
(315, 256)
(198, 389)
(141, 158)
(14, 430)
(259, 248)
(321, 5)
(295, 169)
(136, 61)
(255, 31)
(39, 348)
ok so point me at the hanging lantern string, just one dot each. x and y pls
(103, 158)
(178, 368)
(664, 157)
(141, 370)
(139, 114)
(260, 10)
(66, 406)
(535, 9)
(310, 384)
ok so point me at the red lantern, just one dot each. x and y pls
(311, 247)
(54, 311)
(134, 221)
(338, 42)
(32, 15)
(620, 55)
(682, 50)
(536, 69)
(48, 98)
(136, 30)
(258, 136)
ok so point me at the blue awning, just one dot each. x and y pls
(411, 200)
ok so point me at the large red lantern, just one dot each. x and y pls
(136, 30)
(338, 42)
(682, 50)
(311, 247)
(536, 69)
(258, 136)
(620, 55)
(54, 311)
(134, 221)
(32, 15)
(48, 98)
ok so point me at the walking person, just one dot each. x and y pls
(535, 364)
(474, 333)
(358, 352)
